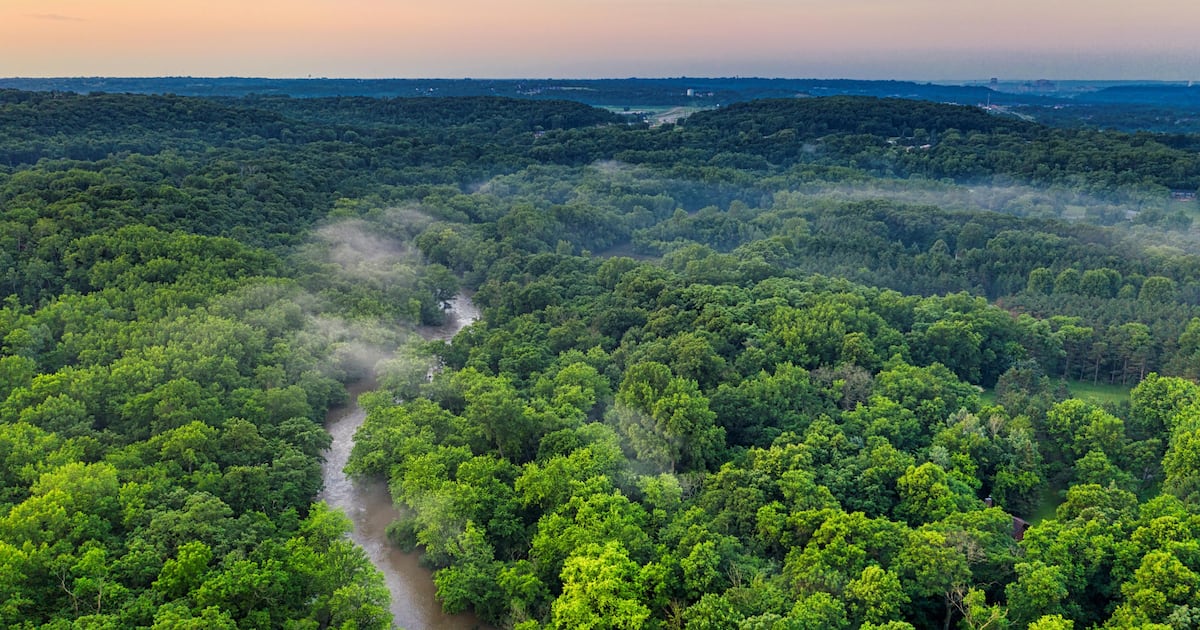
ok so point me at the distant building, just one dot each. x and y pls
(1041, 85)
(1183, 195)
(1019, 527)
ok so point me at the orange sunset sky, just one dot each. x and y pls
(902, 39)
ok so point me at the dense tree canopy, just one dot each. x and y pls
(791, 363)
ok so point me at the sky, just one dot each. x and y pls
(928, 40)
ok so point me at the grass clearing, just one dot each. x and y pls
(659, 114)
(1099, 393)
(1051, 498)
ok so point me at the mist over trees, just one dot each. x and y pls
(790, 363)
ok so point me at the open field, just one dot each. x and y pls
(1099, 393)
(660, 115)
(1051, 498)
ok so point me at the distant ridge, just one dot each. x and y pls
(1124, 106)
(629, 92)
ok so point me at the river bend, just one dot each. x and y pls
(370, 507)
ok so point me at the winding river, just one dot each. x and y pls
(370, 507)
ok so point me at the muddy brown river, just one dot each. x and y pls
(370, 507)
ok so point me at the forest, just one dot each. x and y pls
(790, 363)
(1130, 106)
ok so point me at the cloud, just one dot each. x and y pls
(54, 17)
(357, 248)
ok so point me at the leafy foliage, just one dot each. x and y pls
(727, 375)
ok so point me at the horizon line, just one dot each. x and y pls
(605, 78)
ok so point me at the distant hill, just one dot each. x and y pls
(1124, 106)
(1176, 95)
(630, 92)
(811, 118)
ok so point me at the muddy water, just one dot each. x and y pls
(370, 507)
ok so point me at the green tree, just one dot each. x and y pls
(1157, 289)
(495, 407)
(666, 419)
(1067, 282)
(926, 495)
(1181, 464)
(1041, 281)
(932, 568)
(599, 590)
(1039, 590)
(876, 596)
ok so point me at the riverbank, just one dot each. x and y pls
(370, 508)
